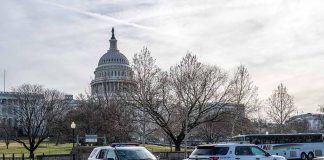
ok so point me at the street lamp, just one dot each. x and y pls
(73, 125)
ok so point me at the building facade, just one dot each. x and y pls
(314, 121)
(113, 73)
(8, 102)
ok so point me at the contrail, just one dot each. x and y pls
(120, 21)
(100, 16)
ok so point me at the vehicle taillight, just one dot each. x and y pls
(213, 158)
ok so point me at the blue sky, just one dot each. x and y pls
(57, 43)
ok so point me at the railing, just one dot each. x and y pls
(14, 157)
(170, 155)
(55, 157)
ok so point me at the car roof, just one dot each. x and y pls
(119, 147)
(103, 147)
(129, 147)
(227, 144)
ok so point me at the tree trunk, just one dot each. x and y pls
(57, 139)
(31, 150)
(177, 146)
(31, 154)
(7, 142)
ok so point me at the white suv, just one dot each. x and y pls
(231, 152)
(121, 152)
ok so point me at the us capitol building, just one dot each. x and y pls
(113, 73)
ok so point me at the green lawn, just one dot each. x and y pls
(50, 148)
(156, 148)
(45, 147)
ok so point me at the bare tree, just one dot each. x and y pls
(104, 116)
(7, 133)
(259, 122)
(280, 106)
(321, 116)
(213, 132)
(189, 95)
(244, 94)
(36, 112)
(298, 126)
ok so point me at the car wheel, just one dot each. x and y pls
(303, 156)
(310, 156)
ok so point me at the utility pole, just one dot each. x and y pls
(4, 80)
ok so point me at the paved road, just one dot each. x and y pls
(319, 158)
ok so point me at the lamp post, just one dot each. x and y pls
(73, 125)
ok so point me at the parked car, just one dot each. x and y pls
(122, 151)
(231, 152)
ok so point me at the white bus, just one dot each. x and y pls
(291, 146)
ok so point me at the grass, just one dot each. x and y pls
(51, 148)
(45, 147)
(156, 148)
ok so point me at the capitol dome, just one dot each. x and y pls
(113, 73)
(113, 57)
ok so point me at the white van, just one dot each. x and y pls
(121, 151)
(231, 152)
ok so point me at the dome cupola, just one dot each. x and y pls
(113, 73)
(113, 56)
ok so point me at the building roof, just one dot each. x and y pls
(113, 56)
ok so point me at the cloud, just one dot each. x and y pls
(58, 43)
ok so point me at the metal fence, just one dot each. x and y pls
(37, 157)
(170, 155)
(13, 157)
(55, 157)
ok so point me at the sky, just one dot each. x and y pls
(58, 43)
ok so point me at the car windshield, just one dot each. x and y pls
(134, 154)
(210, 150)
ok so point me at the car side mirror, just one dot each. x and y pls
(267, 154)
